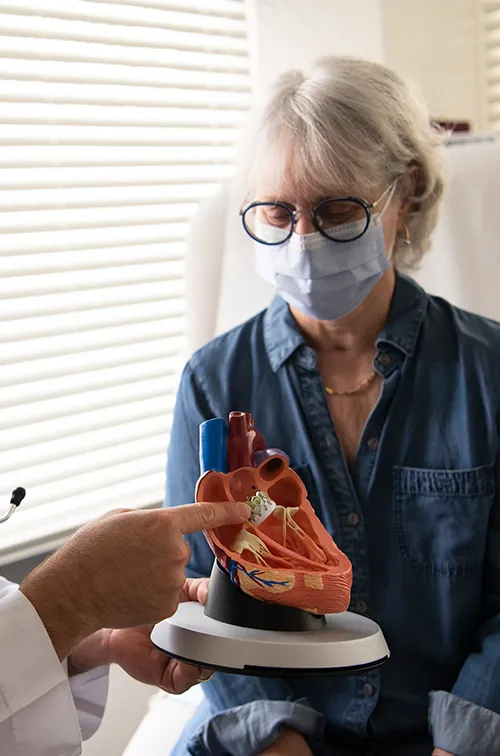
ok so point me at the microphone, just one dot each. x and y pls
(17, 496)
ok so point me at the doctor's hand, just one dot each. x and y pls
(133, 651)
(440, 752)
(125, 569)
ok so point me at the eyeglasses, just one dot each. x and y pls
(342, 219)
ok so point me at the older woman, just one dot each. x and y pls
(387, 401)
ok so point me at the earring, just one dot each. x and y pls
(407, 232)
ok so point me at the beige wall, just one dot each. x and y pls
(293, 33)
(437, 44)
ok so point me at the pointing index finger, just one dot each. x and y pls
(192, 518)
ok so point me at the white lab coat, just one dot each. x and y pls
(42, 713)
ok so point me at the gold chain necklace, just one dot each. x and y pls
(355, 390)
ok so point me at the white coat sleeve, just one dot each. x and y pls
(41, 712)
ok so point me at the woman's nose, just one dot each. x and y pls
(304, 224)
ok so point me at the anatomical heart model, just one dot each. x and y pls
(283, 554)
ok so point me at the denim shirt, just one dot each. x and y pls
(419, 517)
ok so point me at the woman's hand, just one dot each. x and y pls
(289, 743)
(133, 651)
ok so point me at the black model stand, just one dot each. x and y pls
(227, 603)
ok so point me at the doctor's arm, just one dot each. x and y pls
(466, 720)
(124, 570)
(37, 707)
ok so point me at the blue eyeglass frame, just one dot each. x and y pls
(367, 207)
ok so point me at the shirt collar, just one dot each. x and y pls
(408, 307)
(282, 336)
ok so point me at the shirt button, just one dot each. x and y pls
(368, 690)
(384, 358)
(352, 519)
(373, 444)
(362, 607)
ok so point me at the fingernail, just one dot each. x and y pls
(202, 593)
(205, 675)
(243, 510)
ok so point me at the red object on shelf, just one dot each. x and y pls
(453, 126)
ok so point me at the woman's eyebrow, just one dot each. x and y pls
(313, 203)
(336, 195)
(274, 198)
(330, 195)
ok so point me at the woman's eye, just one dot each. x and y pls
(338, 213)
(338, 217)
(276, 218)
(328, 220)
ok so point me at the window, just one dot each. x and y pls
(116, 118)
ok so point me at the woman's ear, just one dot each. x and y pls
(409, 184)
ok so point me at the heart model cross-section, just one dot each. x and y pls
(289, 557)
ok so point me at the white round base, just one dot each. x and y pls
(348, 644)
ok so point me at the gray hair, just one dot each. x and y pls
(351, 122)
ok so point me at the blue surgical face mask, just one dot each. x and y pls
(325, 279)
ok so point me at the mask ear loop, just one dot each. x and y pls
(390, 194)
(388, 199)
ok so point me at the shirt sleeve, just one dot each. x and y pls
(251, 728)
(37, 709)
(456, 720)
(90, 693)
(463, 728)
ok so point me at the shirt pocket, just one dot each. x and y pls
(441, 517)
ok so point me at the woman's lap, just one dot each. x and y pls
(422, 745)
